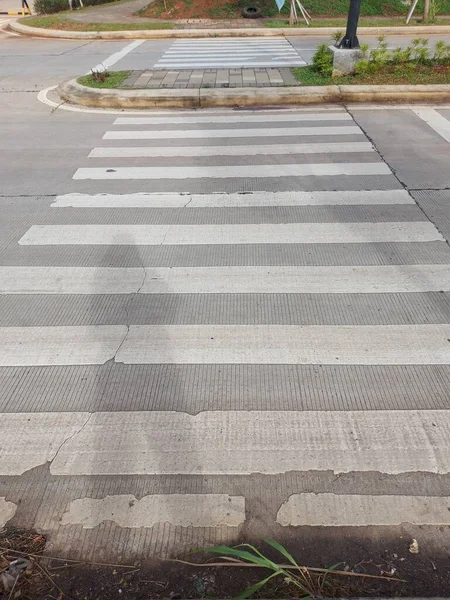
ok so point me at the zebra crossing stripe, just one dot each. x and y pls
(184, 510)
(232, 171)
(226, 442)
(280, 233)
(254, 150)
(237, 118)
(342, 510)
(230, 280)
(226, 344)
(231, 133)
(154, 200)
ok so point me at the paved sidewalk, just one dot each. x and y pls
(126, 12)
(210, 78)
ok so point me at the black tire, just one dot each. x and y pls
(251, 12)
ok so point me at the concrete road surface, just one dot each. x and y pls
(224, 324)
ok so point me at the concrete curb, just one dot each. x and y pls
(75, 93)
(202, 33)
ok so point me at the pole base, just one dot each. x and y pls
(349, 42)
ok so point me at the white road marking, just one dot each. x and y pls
(226, 344)
(226, 280)
(228, 442)
(335, 510)
(155, 200)
(70, 280)
(84, 345)
(7, 511)
(32, 439)
(184, 510)
(254, 150)
(434, 120)
(231, 133)
(225, 64)
(282, 233)
(287, 344)
(232, 171)
(114, 58)
(235, 118)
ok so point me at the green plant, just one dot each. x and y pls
(365, 49)
(441, 52)
(435, 8)
(297, 576)
(337, 37)
(400, 55)
(323, 60)
(47, 7)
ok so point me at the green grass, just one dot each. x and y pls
(54, 22)
(114, 79)
(421, 74)
(336, 8)
(364, 22)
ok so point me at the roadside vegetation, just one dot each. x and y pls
(104, 79)
(363, 22)
(415, 64)
(226, 9)
(60, 23)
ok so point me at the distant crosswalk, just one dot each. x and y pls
(229, 53)
(232, 306)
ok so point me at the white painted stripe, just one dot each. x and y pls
(227, 442)
(254, 150)
(229, 171)
(70, 280)
(153, 200)
(183, 510)
(7, 511)
(226, 344)
(281, 52)
(231, 133)
(114, 58)
(235, 118)
(229, 64)
(34, 346)
(281, 233)
(287, 344)
(229, 280)
(30, 440)
(434, 120)
(334, 510)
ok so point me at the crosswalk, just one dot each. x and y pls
(229, 53)
(234, 309)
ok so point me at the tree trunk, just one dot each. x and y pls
(426, 11)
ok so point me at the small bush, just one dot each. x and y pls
(48, 7)
(323, 60)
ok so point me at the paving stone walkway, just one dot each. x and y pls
(210, 78)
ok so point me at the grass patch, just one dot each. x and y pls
(53, 22)
(317, 8)
(390, 75)
(363, 22)
(113, 79)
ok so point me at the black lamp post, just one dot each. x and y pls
(350, 40)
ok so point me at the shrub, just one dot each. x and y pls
(323, 60)
(48, 7)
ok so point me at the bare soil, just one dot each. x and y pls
(426, 574)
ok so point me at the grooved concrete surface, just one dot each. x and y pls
(84, 442)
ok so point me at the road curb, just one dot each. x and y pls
(206, 33)
(75, 93)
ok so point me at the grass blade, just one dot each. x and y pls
(254, 588)
(281, 549)
(266, 560)
(243, 554)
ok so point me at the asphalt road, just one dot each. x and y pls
(222, 324)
